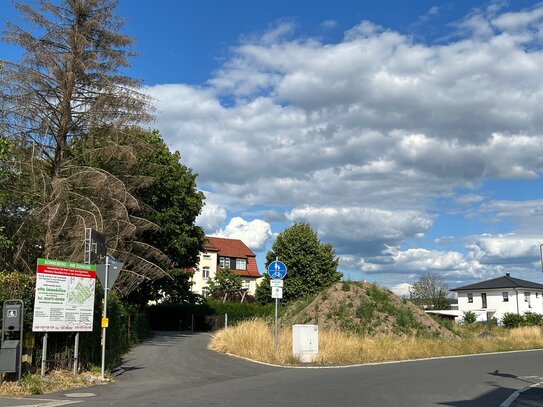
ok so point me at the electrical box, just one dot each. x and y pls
(9, 356)
(305, 342)
(12, 318)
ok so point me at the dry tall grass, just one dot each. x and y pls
(254, 340)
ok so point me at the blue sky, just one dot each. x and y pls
(409, 134)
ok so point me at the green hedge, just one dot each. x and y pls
(206, 316)
(512, 320)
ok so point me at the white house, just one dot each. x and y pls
(220, 253)
(493, 298)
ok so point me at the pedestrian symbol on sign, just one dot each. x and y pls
(277, 270)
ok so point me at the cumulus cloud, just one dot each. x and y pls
(401, 290)
(211, 218)
(253, 233)
(361, 136)
(362, 230)
(504, 249)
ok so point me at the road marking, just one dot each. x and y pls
(515, 395)
(43, 402)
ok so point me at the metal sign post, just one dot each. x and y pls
(107, 274)
(276, 270)
(95, 252)
(104, 318)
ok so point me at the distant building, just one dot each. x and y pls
(496, 297)
(222, 253)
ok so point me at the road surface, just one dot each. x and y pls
(177, 369)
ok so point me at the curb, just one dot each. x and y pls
(381, 363)
(515, 395)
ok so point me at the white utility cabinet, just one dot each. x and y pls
(305, 342)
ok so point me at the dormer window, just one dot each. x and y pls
(241, 264)
(224, 262)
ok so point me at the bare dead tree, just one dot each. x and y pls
(67, 85)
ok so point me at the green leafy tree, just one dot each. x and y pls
(311, 265)
(173, 289)
(225, 279)
(168, 201)
(431, 292)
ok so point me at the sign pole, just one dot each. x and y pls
(44, 354)
(276, 333)
(76, 353)
(277, 271)
(104, 318)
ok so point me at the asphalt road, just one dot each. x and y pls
(175, 369)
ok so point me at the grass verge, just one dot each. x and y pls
(254, 339)
(57, 380)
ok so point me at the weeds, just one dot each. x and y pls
(33, 384)
(252, 339)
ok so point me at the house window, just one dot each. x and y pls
(505, 296)
(224, 262)
(206, 256)
(205, 291)
(527, 298)
(241, 264)
(483, 300)
(470, 298)
(246, 284)
(205, 272)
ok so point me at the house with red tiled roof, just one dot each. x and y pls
(220, 253)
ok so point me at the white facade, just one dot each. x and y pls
(499, 302)
(206, 269)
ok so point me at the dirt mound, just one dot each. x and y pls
(364, 308)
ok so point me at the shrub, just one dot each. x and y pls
(511, 320)
(533, 319)
(405, 320)
(365, 310)
(469, 317)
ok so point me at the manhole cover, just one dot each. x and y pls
(80, 395)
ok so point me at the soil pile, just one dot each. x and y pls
(364, 308)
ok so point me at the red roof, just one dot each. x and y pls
(233, 248)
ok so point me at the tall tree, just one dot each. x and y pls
(431, 292)
(168, 196)
(312, 265)
(67, 84)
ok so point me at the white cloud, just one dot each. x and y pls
(211, 218)
(518, 20)
(401, 289)
(504, 249)
(253, 233)
(528, 214)
(360, 137)
(361, 230)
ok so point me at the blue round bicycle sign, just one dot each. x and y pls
(277, 270)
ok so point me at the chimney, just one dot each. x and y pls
(507, 275)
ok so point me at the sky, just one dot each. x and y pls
(408, 134)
